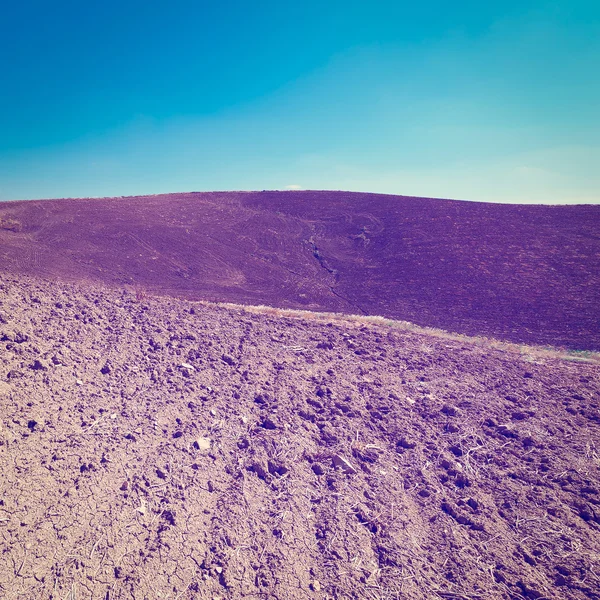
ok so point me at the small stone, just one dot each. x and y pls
(106, 369)
(202, 443)
(344, 464)
(315, 586)
(187, 366)
(79, 382)
(213, 412)
(38, 365)
(124, 486)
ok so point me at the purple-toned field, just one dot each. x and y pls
(159, 448)
(522, 273)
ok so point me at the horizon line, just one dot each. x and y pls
(295, 191)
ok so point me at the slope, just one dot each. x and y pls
(522, 273)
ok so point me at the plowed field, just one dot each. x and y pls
(160, 448)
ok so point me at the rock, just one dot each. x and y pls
(124, 486)
(106, 369)
(79, 382)
(38, 365)
(315, 586)
(344, 464)
(227, 359)
(202, 443)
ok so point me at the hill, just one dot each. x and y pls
(521, 273)
(160, 448)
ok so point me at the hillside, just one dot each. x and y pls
(159, 448)
(521, 273)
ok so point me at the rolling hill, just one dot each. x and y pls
(521, 273)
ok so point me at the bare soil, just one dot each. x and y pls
(160, 448)
(521, 273)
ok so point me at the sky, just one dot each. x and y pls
(496, 101)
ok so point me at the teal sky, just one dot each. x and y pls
(495, 102)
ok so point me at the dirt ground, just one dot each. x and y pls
(159, 448)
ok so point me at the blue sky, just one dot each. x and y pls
(495, 102)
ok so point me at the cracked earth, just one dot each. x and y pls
(158, 448)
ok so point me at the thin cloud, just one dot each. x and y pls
(293, 186)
